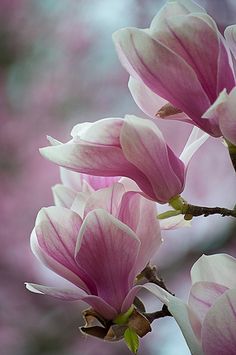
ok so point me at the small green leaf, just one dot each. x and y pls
(124, 317)
(168, 214)
(132, 340)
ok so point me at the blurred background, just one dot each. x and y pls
(58, 67)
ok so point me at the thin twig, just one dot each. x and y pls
(158, 314)
(195, 211)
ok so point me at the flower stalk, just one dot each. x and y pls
(189, 211)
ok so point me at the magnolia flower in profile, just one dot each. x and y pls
(132, 147)
(100, 247)
(208, 322)
(178, 66)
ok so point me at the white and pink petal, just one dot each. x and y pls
(107, 249)
(218, 268)
(219, 326)
(140, 215)
(203, 295)
(53, 241)
(75, 294)
(144, 146)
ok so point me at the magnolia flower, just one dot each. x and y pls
(100, 247)
(180, 64)
(131, 147)
(208, 322)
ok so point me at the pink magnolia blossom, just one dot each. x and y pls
(180, 64)
(131, 147)
(208, 322)
(99, 245)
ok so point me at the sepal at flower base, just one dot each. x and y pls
(98, 326)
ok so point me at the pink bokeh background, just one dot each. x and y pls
(58, 67)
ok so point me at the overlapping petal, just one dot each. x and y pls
(108, 199)
(203, 295)
(218, 268)
(151, 103)
(143, 145)
(218, 331)
(53, 241)
(63, 196)
(230, 36)
(140, 215)
(185, 317)
(224, 111)
(107, 249)
(75, 294)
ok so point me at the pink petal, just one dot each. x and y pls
(203, 295)
(219, 326)
(195, 141)
(105, 131)
(188, 323)
(86, 183)
(144, 146)
(54, 239)
(194, 37)
(230, 36)
(67, 294)
(107, 250)
(227, 118)
(80, 129)
(213, 112)
(75, 181)
(101, 182)
(75, 294)
(63, 196)
(149, 102)
(94, 159)
(219, 268)
(146, 99)
(108, 199)
(163, 71)
(130, 297)
(129, 185)
(182, 7)
(224, 111)
(140, 215)
(79, 203)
